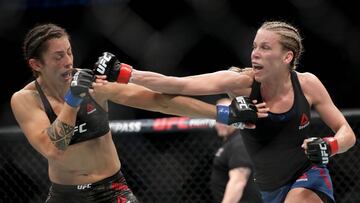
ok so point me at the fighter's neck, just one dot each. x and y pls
(52, 88)
(277, 87)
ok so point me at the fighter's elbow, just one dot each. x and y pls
(348, 142)
(352, 140)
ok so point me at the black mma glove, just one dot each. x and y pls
(240, 111)
(79, 87)
(320, 149)
(110, 66)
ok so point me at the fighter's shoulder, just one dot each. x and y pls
(26, 95)
(311, 86)
(241, 72)
(307, 79)
(243, 76)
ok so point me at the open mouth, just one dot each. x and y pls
(68, 74)
(257, 66)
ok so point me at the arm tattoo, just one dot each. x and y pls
(60, 134)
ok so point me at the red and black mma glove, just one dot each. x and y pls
(110, 66)
(240, 111)
(79, 87)
(319, 149)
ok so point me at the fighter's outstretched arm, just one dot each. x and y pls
(219, 82)
(140, 97)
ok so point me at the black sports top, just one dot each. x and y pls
(275, 144)
(91, 120)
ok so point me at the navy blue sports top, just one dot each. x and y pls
(91, 120)
(275, 144)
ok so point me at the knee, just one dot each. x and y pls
(302, 195)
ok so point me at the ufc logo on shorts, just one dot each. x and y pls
(84, 186)
(242, 103)
(102, 64)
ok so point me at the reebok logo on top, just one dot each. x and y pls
(304, 121)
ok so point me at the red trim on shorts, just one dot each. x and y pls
(119, 186)
(325, 177)
(121, 199)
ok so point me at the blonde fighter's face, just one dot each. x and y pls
(268, 56)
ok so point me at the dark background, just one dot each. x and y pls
(184, 37)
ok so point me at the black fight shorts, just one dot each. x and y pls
(109, 190)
